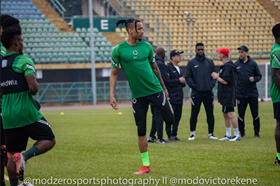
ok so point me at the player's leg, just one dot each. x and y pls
(16, 141)
(42, 133)
(177, 114)
(152, 137)
(276, 109)
(241, 106)
(277, 140)
(159, 126)
(208, 102)
(3, 153)
(254, 106)
(227, 124)
(140, 107)
(234, 122)
(196, 103)
(162, 104)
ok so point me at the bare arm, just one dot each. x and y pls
(113, 83)
(276, 77)
(32, 84)
(157, 73)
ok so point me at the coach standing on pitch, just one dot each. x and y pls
(175, 88)
(198, 77)
(248, 74)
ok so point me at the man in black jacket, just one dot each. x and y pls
(248, 74)
(175, 86)
(198, 77)
(157, 121)
(226, 93)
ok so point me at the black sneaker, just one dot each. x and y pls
(162, 141)
(171, 139)
(176, 138)
(257, 136)
(277, 162)
(242, 135)
(152, 139)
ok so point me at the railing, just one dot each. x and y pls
(58, 6)
(82, 91)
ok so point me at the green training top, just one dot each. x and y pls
(3, 49)
(20, 109)
(274, 63)
(135, 62)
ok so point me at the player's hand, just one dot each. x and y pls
(113, 103)
(182, 80)
(166, 93)
(251, 79)
(215, 75)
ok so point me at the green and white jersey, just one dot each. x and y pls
(3, 49)
(274, 63)
(135, 62)
(19, 109)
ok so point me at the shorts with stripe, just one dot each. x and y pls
(140, 107)
(17, 138)
(227, 109)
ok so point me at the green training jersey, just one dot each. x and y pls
(20, 109)
(135, 62)
(274, 63)
(3, 49)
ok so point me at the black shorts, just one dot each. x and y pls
(2, 130)
(226, 109)
(140, 108)
(17, 138)
(276, 109)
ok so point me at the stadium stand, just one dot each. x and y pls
(44, 43)
(217, 23)
(276, 3)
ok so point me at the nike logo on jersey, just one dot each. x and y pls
(238, 67)
(195, 66)
(135, 57)
(174, 71)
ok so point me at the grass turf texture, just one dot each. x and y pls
(100, 143)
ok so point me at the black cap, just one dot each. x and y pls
(175, 52)
(244, 48)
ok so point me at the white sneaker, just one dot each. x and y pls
(235, 138)
(192, 137)
(26, 184)
(225, 138)
(212, 137)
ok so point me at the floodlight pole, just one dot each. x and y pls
(93, 78)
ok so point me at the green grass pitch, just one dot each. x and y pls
(99, 143)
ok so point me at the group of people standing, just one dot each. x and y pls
(161, 86)
(235, 81)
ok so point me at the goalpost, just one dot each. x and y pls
(267, 81)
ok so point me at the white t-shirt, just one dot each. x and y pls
(178, 69)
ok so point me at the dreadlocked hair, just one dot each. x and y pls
(128, 23)
(9, 35)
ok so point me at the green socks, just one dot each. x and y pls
(278, 156)
(145, 158)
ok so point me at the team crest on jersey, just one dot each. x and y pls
(135, 52)
(4, 63)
